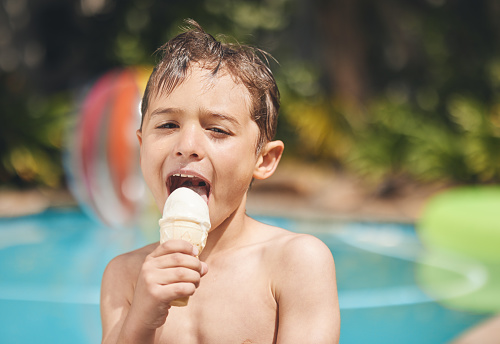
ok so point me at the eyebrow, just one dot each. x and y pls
(212, 114)
(224, 117)
(162, 111)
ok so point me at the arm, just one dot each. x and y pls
(136, 292)
(306, 292)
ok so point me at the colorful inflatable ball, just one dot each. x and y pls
(102, 159)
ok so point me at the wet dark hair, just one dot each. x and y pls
(242, 62)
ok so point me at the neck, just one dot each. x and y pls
(229, 234)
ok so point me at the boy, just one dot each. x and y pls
(209, 116)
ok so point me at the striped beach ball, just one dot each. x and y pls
(102, 160)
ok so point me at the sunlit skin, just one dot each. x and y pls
(253, 283)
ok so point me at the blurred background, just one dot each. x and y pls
(390, 91)
(385, 104)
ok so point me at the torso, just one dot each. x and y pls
(235, 301)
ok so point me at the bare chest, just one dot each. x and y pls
(233, 304)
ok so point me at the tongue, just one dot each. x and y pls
(200, 188)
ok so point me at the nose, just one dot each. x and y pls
(189, 144)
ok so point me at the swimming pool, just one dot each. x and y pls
(51, 266)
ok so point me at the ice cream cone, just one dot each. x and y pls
(185, 217)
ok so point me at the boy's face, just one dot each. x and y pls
(201, 136)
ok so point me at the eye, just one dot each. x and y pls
(219, 132)
(168, 125)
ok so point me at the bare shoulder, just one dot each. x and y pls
(117, 288)
(304, 286)
(127, 266)
(298, 250)
(121, 273)
(288, 253)
(305, 247)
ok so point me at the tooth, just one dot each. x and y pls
(183, 175)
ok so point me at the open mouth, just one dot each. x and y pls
(195, 183)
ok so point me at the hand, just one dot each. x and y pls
(170, 272)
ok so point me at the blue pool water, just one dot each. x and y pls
(51, 266)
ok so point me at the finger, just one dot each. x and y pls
(171, 246)
(204, 268)
(174, 260)
(176, 290)
(179, 275)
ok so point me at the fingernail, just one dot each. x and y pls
(196, 251)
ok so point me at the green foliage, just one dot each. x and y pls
(428, 76)
(382, 145)
(318, 129)
(401, 140)
(31, 137)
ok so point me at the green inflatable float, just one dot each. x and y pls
(460, 230)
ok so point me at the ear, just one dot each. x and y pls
(268, 159)
(139, 136)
